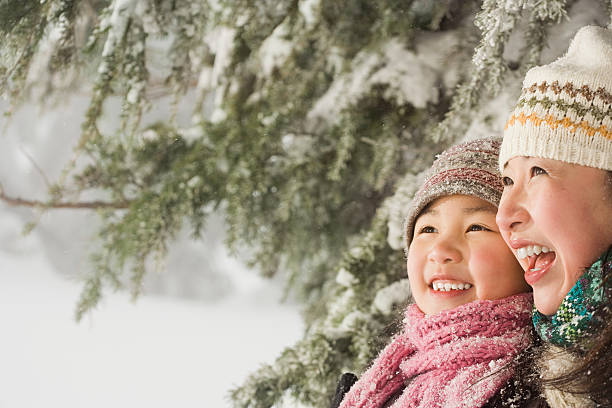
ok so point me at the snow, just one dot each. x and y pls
(345, 88)
(157, 352)
(220, 41)
(398, 206)
(203, 325)
(345, 278)
(442, 53)
(491, 118)
(394, 294)
(298, 147)
(275, 49)
(308, 9)
(408, 77)
(118, 21)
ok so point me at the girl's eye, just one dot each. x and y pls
(427, 230)
(507, 181)
(477, 227)
(536, 171)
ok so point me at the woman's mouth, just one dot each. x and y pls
(539, 259)
(531, 250)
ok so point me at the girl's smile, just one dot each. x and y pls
(448, 285)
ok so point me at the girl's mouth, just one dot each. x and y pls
(539, 260)
(440, 285)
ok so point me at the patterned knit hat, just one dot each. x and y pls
(469, 168)
(564, 110)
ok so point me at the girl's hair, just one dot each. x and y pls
(592, 373)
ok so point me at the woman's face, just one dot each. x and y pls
(556, 217)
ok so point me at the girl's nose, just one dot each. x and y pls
(444, 252)
(511, 214)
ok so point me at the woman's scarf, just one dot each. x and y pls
(455, 358)
(577, 317)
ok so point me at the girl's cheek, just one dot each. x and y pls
(481, 259)
(413, 271)
(492, 255)
(505, 237)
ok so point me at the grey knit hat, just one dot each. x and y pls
(468, 168)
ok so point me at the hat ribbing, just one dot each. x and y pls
(564, 111)
(468, 168)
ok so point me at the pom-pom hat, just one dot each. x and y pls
(468, 168)
(564, 111)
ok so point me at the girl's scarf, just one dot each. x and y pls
(455, 358)
(577, 317)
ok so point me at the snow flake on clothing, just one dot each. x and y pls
(455, 358)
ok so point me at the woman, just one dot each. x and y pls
(556, 212)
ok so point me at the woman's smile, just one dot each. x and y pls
(554, 232)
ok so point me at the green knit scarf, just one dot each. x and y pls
(578, 317)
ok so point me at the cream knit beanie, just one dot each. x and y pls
(564, 110)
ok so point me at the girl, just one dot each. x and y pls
(555, 214)
(471, 319)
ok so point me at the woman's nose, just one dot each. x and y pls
(444, 251)
(511, 213)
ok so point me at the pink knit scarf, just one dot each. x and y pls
(455, 358)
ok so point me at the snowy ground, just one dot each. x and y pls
(206, 323)
(157, 352)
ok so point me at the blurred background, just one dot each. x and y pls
(199, 328)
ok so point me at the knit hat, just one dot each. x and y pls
(564, 110)
(468, 168)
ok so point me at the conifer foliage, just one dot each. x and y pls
(313, 121)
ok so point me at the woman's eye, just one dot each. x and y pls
(427, 230)
(477, 227)
(507, 181)
(536, 171)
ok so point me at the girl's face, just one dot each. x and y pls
(556, 217)
(457, 256)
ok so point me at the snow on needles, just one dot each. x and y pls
(409, 78)
(220, 41)
(397, 207)
(118, 21)
(308, 9)
(394, 294)
(275, 49)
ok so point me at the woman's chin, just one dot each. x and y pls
(544, 304)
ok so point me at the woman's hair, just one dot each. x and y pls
(523, 389)
(592, 373)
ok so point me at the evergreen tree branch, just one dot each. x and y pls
(75, 205)
(497, 20)
(36, 166)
